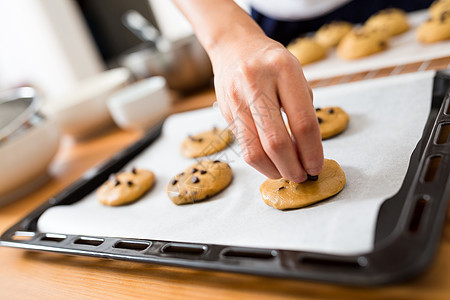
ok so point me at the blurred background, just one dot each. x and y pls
(52, 45)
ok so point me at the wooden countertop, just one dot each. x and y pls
(31, 275)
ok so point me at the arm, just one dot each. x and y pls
(254, 77)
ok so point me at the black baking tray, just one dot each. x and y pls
(408, 230)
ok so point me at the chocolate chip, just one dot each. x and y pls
(199, 140)
(180, 174)
(130, 183)
(174, 182)
(284, 180)
(193, 170)
(117, 183)
(203, 172)
(319, 120)
(318, 109)
(280, 188)
(134, 171)
(382, 44)
(195, 179)
(313, 178)
(331, 111)
(216, 161)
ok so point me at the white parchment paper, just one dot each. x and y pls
(387, 117)
(403, 49)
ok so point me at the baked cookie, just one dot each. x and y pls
(307, 50)
(332, 121)
(125, 187)
(284, 194)
(329, 35)
(360, 43)
(206, 143)
(393, 21)
(438, 7)
(434, 30)
(198, 182)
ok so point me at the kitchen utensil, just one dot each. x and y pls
(82, 110)
(28, 143)
(183, 62)
(140, 105)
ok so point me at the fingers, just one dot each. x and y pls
(275, 138)
(296, 99)
(252, 151)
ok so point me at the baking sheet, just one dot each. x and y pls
(403, 49)
(387, 117)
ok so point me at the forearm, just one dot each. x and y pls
(218, 23)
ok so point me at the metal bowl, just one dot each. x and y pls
(28, 143)
(185, 65)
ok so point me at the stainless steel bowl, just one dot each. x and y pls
(186, 66)
(183, 63)
(28, 143)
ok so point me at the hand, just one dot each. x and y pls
(254, 79)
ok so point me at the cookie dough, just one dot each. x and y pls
(329, 35)
(332, 121)
(284, 194)
(206, 143)
(434, 30)
(125, 187)
(200, 181)
(393, 21)
(307, 50)
(438, 7)
(360, 43)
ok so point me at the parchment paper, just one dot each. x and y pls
(403, 49)
(387, 117)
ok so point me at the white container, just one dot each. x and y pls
(141, 105)
(82, 110)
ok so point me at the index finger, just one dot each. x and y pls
(297, 101)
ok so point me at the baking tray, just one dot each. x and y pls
(408, 228)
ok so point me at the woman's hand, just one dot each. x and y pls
(254, 78)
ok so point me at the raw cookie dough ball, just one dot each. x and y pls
(438, 7)
(332, 121)
(125, 187)
(206, 143)
(284, 194)
(434, 30)
(329, 35)
(392, 20)
(307, 50)
(202, 180)
(360, 43)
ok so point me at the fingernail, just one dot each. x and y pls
(301, 178)
(314, 172)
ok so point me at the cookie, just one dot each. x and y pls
(332, 121)
(329, 35)
(206, 143)
(200, 181)
(438, 7)
(434, 30)
(284, 194)
(125, 187)
(360, 43)
(307, 50)
(393, 21)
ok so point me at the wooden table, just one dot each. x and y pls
(31, 275)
